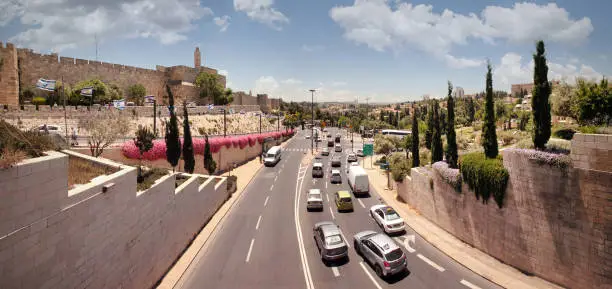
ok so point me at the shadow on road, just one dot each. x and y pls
(336, 263)
(397, 277)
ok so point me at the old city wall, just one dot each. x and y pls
(73, 70)
(555, 224)
(52, 236)
(9, 78)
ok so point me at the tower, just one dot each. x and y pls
(197, 58)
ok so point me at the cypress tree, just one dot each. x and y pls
(436, 138)
(209, 163)
(470, 110)
(451, 137)
(173, 143)
(188, 157)
(489, 136)
(397, 119)
(539, 101)
(415, 140)
(430, 126)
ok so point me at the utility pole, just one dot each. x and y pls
(224, 126)
(312, 91)
(259, 122)
(278, 121)
(64, 96)
(155, 117)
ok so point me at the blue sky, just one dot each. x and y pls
(386, 50)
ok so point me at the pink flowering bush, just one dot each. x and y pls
(243, 141)
(252, 140)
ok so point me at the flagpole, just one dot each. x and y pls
(64, 96)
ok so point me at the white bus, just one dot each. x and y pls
(395, 132)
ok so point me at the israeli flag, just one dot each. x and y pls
(45, 84)
(119, 104)
(211, 106)
(87, 91)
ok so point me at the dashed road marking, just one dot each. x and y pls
(431, 263)
(332, 212)
(327, 196)
(361, 203)
(335, 271)
(248, 257)
(258, 220)
(370, 275)
(468, 284)
(266, 201)
(272, 187)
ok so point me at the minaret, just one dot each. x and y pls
(197, 58)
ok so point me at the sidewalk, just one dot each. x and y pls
(470, 257)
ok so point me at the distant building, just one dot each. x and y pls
(458, 92)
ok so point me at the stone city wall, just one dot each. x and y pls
(9, 78)
(55, 237)
(555, 224)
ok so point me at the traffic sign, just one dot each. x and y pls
(368, 149)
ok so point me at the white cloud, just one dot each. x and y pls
(312, 48)
(385, 25)
(262, 11)
(512, 70)
(62, 24)
(338, 83)
(223, 22)
(292, 81)
(222, 72)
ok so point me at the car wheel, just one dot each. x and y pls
(378, 271)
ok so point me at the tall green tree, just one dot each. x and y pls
(173, 143)
(188, 157)
(593, 102)
(209, 163)
(430, 126)
(415, 140)
(470, 110)
(451, 137)
(436, 138)
(144, 142)
(136, 93)
(489, 136)
(539, 101)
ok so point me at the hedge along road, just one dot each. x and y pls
(267, 241)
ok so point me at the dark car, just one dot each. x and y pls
(335, 162)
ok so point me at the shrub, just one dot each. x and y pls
(559, 146)
(149, 177)
(16, 144)
(485, 176)
(450, 175)
(232, 185)
(560, 161)
(399, 166)
(38, 100)
(591, 129)
(565, 133)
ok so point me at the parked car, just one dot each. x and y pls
(52, 129)
(338, 148)
(325, 152)
(351, 158)
(335, 178)
(360, 153)
(387, 218)
(314, 200)
(335, 162)
(381, 252)
(317, 170)
(343, 201)
(330, 243)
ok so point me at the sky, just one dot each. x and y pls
(348, 50)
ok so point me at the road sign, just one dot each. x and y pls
(368, 149)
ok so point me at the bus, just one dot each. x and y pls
(395, 132)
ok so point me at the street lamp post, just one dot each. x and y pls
(312, 91)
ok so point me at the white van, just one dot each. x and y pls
(273, 156)
(358, 180)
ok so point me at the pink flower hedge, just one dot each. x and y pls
(158, 151)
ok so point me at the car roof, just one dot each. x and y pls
(384, 242)
(314, 191)
(330, 229)
(317, 165)
(343, 194)
(335, 172)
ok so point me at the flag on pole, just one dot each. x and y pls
(211, 106)
(87, 91)
(119, 104)
(45, 84)
(149, 98)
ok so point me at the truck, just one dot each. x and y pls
(358, 180)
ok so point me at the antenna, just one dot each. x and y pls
(96, 39)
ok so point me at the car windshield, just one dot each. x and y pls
(345, 200)
(315, 195)
(394, 255)
(271, 155)
(391, 215)
(333, 240)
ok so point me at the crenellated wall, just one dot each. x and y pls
(555, 223)
(84, 237)
(9, 78)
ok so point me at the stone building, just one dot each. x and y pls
(22, 67)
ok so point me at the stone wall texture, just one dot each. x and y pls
(9, 78)
(87, 238)
(592, 152)
(555, 224)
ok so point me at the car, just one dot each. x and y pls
(330, 242)
(314, 200)
(307, 136)
(351, 158)
(335, 162)
(349, 165)
(329, 135)
(360, 153)
(381, 252)
(330, 143)
(338, 137)
(273, 156)
(324, 129)
(387, 218)
(343, 201)
(317, 170)
(338, 148)
(325, 152)
(335, 177)
(51, 129)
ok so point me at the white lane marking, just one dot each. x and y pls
(271, 187)
(370, 275)
(335, 271)
(468, 284)
(326, 185)
(298, 231)
(431, 263)
(361, 203)
(266, 202)
(409, 239)
(327, 196)
(332, 212)
(258, 220)
(248, 257)
(275, 178)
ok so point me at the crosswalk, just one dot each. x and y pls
(297, 150)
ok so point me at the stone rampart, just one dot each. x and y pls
(9, 78)
(592, 151)
(92, 237)
(555, 223)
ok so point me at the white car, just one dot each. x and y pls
(386, 217)
(315, 200)
(307, 136)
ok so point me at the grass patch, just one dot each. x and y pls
(180, 179)
(149, 177)
(82, 171)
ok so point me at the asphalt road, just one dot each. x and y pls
(266, 240)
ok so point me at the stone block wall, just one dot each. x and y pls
(9, 78)
(555, 224)
(592, 151)
(120, 238)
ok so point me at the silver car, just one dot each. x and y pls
(381, 252)
(314, 201)
(329, 241)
